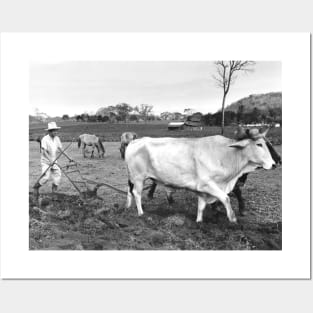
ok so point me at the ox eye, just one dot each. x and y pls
(259, 144)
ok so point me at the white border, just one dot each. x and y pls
(18, 50)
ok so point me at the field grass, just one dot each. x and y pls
(66, 222)
(112, 131)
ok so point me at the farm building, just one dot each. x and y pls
(175, 126)
(193, 125)
(194, 121)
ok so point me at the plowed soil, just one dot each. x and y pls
(100, 221)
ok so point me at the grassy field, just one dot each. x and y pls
(112, 132)
(102, 223)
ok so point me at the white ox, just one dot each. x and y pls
(209, 166)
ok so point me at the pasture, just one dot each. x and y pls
(102, 222)
(113, 131)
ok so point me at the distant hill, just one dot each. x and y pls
(263, 102)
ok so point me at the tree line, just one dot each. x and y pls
(121, 112)
(256, 116)
(124, 112)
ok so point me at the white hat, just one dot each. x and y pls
(52, 125)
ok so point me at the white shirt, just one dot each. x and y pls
(51, 145)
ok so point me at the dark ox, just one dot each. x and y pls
(126, 138)
(208, 166)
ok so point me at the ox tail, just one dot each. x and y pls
(131, 186)
(123, 149)
(101, 146)
(79, 141)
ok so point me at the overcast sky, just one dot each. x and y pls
(78, 87)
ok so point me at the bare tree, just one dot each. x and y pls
(166, 115)
(226, 75)
(189, 111)
(123, 110)
(144, 110)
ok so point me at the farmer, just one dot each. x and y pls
(50, 145)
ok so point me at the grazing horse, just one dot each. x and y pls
(126, 138)
(91, 140)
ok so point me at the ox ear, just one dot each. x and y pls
(240, 144)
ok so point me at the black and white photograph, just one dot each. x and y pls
(167, 154)
(155, 156)
(159, 155)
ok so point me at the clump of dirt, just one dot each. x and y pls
(66, 222)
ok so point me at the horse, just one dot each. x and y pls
(91, 140)
(126, 138)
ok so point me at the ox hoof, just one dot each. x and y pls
(232, 217)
